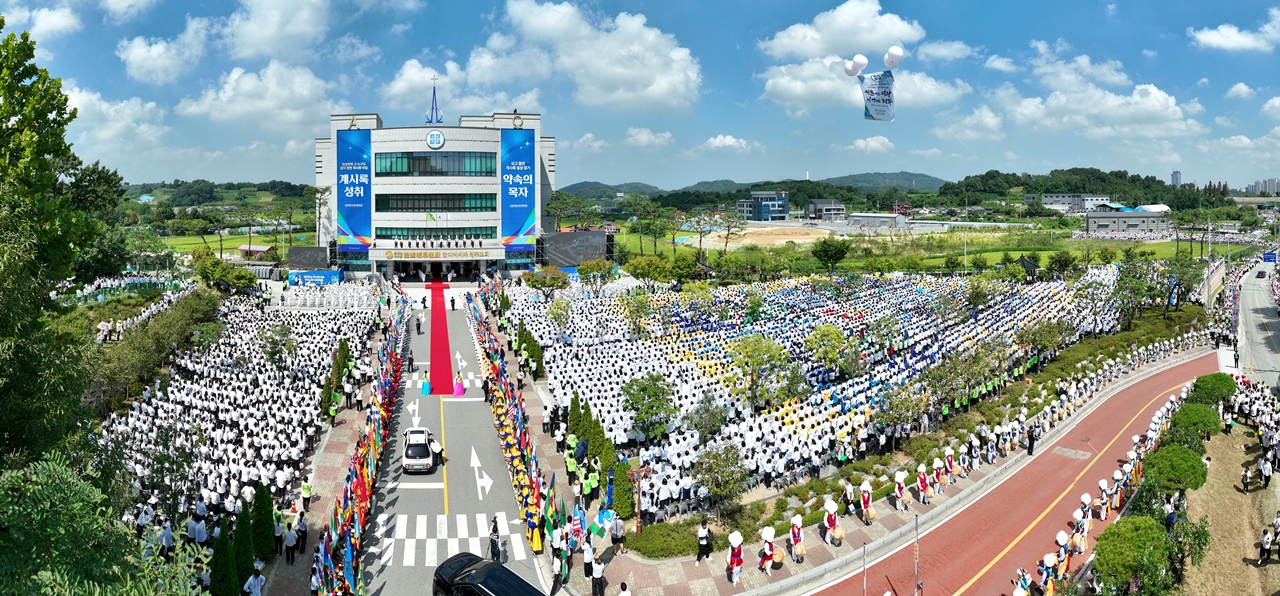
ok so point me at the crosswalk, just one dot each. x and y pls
(471, 381)
(427, 540)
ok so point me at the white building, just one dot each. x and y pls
(434, 198)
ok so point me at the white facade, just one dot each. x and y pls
(422, 213)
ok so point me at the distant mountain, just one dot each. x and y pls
(716, 186)
(598, 191)
(878, 181)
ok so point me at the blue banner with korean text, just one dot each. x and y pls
(519, 190)
(877, 95)
(353, 193)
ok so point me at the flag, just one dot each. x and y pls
(348, 569)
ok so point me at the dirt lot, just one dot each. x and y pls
(1235, 521)
(767, 237)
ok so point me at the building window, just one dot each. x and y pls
(436, 163)
(419, 203)
(474, 232)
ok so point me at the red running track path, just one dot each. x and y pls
(441, 374)
(978, 551)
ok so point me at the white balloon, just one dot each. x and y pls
(850, 70)
(893, 57)
(860, 62)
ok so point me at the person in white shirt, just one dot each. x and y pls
(625, 591)
(254, 584)
(290, 544)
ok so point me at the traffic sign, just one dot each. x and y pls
(1268, 257)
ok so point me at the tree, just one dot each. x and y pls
(288, 208)
(563, 204)
(595, 273)
(979, 262)
(141, 243)
(707, 417)
(979, 293)
(755, 307)
(559, 312)
(720, 470)
(636, 308)
(758, 359)
(650, 270)
(1198, 418)
(830, 251)
(826, 343)
(675, 222)
(107, 256)
(703, 225)
(952, 263)
(1184, 275)
(548, 280)
(243, 545)
(648, 398)
(1106, 255)
(1134, 546)
(1007, 260)
(684, 267)
(263, 525)
(1212, 388)
(910, 264)
(1180, 468)
(278, 345)
(733, 224)
(1188, 543)
(1061, 262)
(897, 406)
(223, 580)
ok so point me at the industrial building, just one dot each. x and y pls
(825, 210)
(766, 205)
(1126, 221)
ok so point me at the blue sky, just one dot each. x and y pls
(670, 92)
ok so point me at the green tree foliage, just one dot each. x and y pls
(107, 256)
(719, 468)
(684, 267)
(1061, 262)
(1106, 255)
(242, 545)
(1211, 389)
(636, 309)
(223, 580)
(278, 345)
(1180, 468)
(759, 360)
(575, 415)
(707, 417)
(1130, 189)
(1134, 546)
(1197, 418)
(826, 342)
(559, 312)
(1184, 437)
(755, 307)
(124, 367)
(830, 251)
(979, 262)
(1188, 542)
(648, 398)
(548, 280)
(952, 263)
(263, 526)
(1184, 275)
(653, 271)
(979, 293)
(563, 204)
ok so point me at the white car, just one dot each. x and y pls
(417, 451)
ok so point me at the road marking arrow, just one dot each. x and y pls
(413, 410)
(483, 482)
(461, 363)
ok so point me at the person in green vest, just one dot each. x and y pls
(571, 465)
(593, 481)
(306, 495)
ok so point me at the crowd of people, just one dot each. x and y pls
(113, 330)
(228, 418)
(361, 294)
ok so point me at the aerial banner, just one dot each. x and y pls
(519, 190)
(355, 205)
(877, 95)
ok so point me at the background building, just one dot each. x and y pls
(767, 205)
(1126, 221)
(824, 209)
(876, 220)
(434, 198)
(1067, 201)
(1176, 178)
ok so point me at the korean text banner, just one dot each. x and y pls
(355, 203)
(519, 186)
(877, 95)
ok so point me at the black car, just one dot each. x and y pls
(465, 574)
(1262, 274)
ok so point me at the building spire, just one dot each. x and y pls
(433, 115)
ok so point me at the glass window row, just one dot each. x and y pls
(418, 203)
(436, 163)
(464, 233)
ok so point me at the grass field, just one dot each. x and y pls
(185, 244)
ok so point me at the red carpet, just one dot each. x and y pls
(441, 375)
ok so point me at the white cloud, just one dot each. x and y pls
(1076, 102)
(856, 25)
(619, 62)
(1241, 91)
(1149, 53)
(1150, 152)
(821, 81)
(411, 87)
(1233, 39)
(1202, 82)
(589, 142)
(1111, 8)
(496, 62)
(1272, 108)
(724, 142)
(123, 10)
(933, 153)
(43, 23)
(944, 51)
(528, 102)
(981, 125)
(160, 61)
(278, 29)
(105, 129)
(399, 28)
(401, 5)
(1226, 122)
(1193, 107)
(1000, 63)
(1264, 148)
(280, 97)
(1009, 155)
(643, 137)
(869, 145)
(350, 48)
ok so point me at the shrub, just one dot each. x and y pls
(1132, 546)
(1180, 468)
(1211, 389)
(1184, 437)
(661, 541)
(1197, 418)
(1148, 499)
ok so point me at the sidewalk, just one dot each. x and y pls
(891, 530)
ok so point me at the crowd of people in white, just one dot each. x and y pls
(113, 330)
(361, 294)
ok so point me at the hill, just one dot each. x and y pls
(878, 181)
(716, 186)
(598, 191)
(1122, 186)
(574, 189)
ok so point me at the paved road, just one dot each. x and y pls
(978, 550)
(421, 520)
(1259, 328)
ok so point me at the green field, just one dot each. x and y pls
(185, 244)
